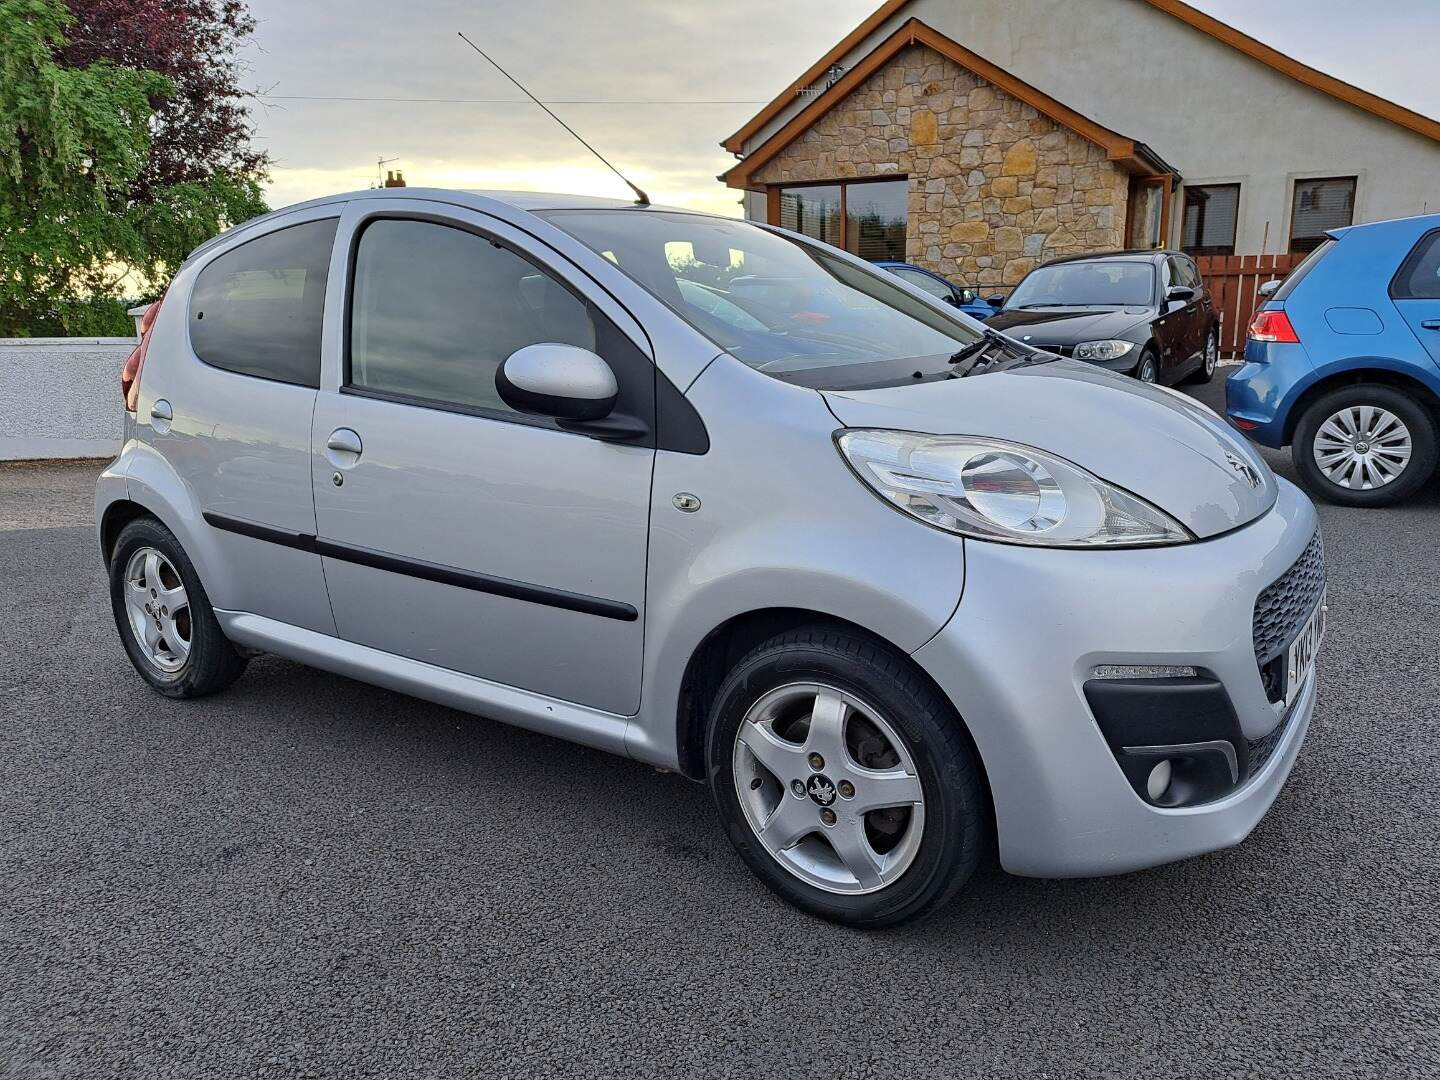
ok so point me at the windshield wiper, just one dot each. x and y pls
(979, 345)
(978, 357)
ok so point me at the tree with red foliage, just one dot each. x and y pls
(124, 144)
(203, 128)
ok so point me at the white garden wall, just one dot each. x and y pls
(60, 397)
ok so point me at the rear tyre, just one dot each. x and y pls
(1209, 359)
(844, 780)
(164, 617)
(1148, 369)
(1365, 445)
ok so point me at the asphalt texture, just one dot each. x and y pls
(307, 876)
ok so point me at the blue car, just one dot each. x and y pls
(967, 300)
(1342, 363)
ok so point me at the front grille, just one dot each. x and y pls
(1281, 610)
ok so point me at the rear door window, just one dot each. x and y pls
(259, 308)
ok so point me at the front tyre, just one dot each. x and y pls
(165, 620)
(1147, 370)
(1365, 445)
(844, 780)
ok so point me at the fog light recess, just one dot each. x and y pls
(1158, 781)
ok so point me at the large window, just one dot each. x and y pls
(1320, 205)
(1211, 212)
(259, 308)
(865, 217)
(813, 211)
(437, 310)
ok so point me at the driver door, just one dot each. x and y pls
(1174, 327)
(453, 529)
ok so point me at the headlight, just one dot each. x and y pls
(995, 490)
(1102, 350)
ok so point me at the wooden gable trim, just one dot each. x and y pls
(1302, 73)
(1117, 147)
(1228, 35)
(736, 142)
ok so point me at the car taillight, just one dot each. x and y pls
(130, 371)
(1273, 326)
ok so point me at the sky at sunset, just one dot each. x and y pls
(654, 85)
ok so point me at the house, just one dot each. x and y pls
(980, 137)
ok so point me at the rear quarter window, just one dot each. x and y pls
(1419, 275)
(259, 308)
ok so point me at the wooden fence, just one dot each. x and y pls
(1234, 282)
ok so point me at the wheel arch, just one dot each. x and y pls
(723, 647)
(1418, 388)
(117, 515)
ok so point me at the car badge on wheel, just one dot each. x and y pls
(821, 790)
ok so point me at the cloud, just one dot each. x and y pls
(739, 51)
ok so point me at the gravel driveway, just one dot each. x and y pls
(306, 876)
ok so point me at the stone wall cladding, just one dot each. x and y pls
(995, 188)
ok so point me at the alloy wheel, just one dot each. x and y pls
(158, 609)
(1147, 372)
(828, 788)
(1212, 354)
(1363, 447)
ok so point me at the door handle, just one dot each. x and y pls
(345, 440)
(1431, 324)
(343, 448)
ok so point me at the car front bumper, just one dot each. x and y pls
(1030, 630)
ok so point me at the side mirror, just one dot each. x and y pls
(996, 301)
(1270, 288)
(562, 381)
(1180, 294)
(951, 299)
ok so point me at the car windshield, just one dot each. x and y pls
(1086, 284)
(777, 304)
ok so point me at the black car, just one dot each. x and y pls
(1146, 313)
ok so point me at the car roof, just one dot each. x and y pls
(1421, 221)
(482, 200)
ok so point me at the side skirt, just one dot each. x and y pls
(508, 704)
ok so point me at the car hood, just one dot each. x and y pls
(1153, 442)
(1061, 326)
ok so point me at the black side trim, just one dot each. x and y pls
(428, 571)
(469, 579)
(253, 529)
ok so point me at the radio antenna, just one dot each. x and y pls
(641, 199)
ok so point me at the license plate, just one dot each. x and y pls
(1300, 657)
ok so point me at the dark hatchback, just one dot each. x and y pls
(1145, 313)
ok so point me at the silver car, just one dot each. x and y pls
(730, 502)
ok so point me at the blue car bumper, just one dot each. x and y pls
(1258, 396)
